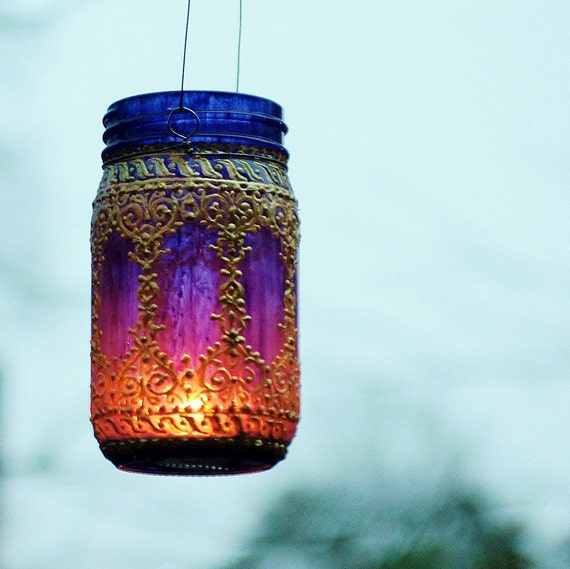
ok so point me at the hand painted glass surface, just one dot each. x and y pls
(194, 322)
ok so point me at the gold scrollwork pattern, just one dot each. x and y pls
(231, 390)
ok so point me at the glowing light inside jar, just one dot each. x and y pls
(194, 346)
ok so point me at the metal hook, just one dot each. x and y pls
(184, 137)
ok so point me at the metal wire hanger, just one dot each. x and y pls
(181, 108)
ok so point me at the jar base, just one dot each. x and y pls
(194, 457)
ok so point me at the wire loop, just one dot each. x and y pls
(180, 110)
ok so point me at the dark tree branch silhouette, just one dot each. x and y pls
(345, 530)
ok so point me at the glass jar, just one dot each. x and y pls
(194, 246)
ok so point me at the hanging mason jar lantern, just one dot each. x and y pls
(194, 298)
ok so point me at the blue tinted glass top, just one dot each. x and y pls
(205, 117)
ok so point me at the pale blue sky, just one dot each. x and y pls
(429, 153)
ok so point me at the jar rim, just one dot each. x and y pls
(211, 117)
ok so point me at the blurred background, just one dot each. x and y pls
(430, 157)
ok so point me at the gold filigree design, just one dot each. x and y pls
(231, 391)
(178, 164)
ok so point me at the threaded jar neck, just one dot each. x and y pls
(205, 119)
